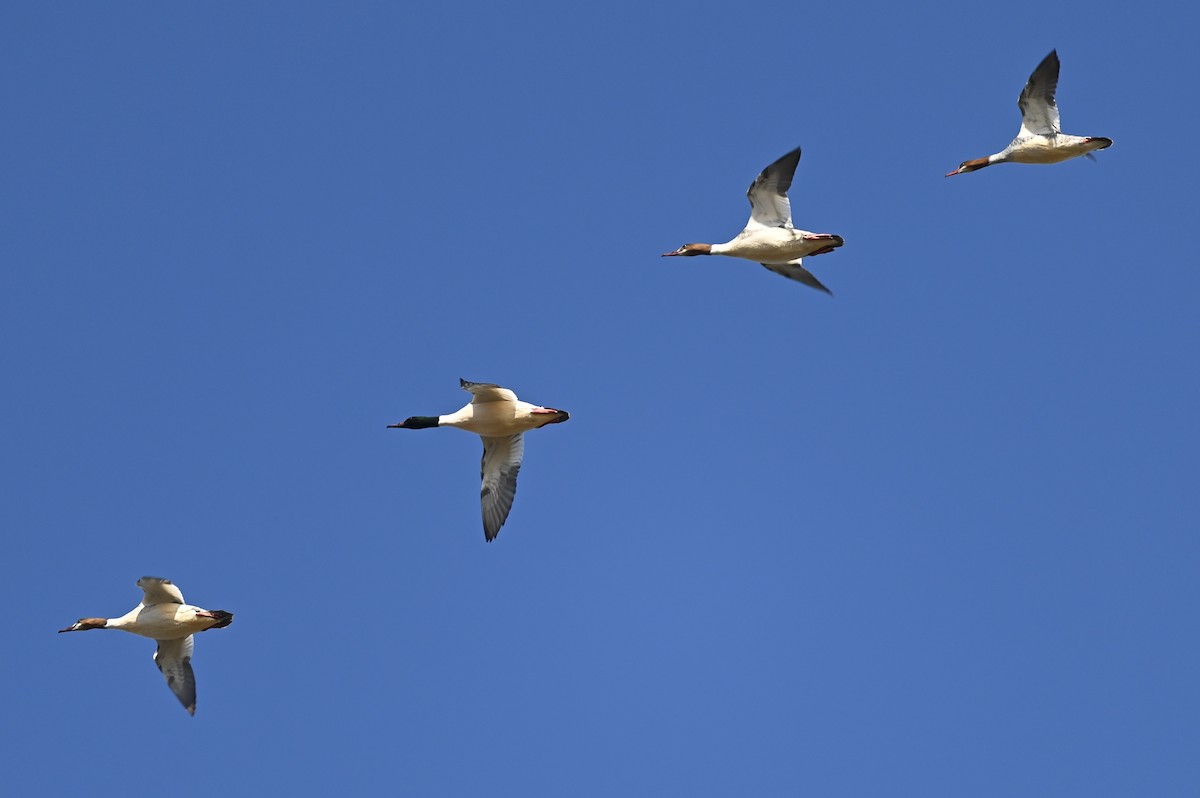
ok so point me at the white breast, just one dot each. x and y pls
(162, 621)
(772, 245)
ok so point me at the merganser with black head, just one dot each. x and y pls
(496, 415)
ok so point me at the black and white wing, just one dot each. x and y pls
(1039, 111)
(174, 659)
(159, 591)
(499, 468)
(794, 271)
(769, 205)
(486, 392)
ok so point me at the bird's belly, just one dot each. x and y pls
(778, 248)
(1054, 150)
(167, 622)
(495, 430)
(494, 420)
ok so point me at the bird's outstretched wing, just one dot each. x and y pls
(769, 204)
(794, 271)
(174, 659)
(499, 468)
(159, 591)
(1039, 111)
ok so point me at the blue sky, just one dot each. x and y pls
(933, 536)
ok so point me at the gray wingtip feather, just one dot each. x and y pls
(799, 274)
(783, 169)
(496, 495)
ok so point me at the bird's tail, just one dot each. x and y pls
(223, 618)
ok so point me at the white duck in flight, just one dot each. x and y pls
(163, 615)
(1039, 140)
(496, 415)
(769, 237)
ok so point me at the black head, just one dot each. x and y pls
(417, 422)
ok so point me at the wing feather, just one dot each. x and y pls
(159, 591)
(486, 392)
(769, 204)
(498, 470)
(794, 271)
(174, 659)
(1039, 111)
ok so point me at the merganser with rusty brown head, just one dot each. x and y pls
(496, 415)
(1039, 139)
(163, 616)
(769, 237)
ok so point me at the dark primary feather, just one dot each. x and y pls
(769, 204)
(498, 472)
(794, 271)
(174, 660)
(776, 178)
(1042, 85)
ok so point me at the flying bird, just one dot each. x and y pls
(496, 415)
(163, 616)
(1039, 140)
(769, 237)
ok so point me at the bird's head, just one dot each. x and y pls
(85, 623)
(690, 249)
(968, 166)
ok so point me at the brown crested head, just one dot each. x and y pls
(691, 249)
(968, 166)
(85, 623)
